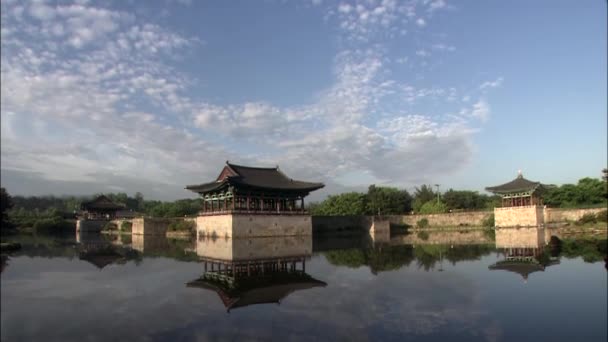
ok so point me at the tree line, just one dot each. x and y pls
(393, 201)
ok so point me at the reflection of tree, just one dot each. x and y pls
(386, 258)
(428, 255)
(378, 258)
(590, 250)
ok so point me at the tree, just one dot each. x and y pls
(387, 201)
(422, 195)
(349, 203)
(435, 206)
(6, 203)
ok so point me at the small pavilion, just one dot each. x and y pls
(253, 190)
(519, 192)
(522, 203)
(100, 208)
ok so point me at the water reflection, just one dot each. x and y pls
(245, 272)
(525, 251)
(334, 288)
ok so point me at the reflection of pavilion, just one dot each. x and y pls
(243, 272)
(524, 250)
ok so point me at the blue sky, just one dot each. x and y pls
(151, 96)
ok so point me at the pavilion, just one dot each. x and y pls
(245, 201)
(100, 208)
(522, 203)
(253, 190)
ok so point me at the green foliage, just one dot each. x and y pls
(183, 226)
(422, 223)
(589, 250)
(423, 236)
(468, 200)
(349, 203)
(6, 203)
(588, 192)
(488, 221)
(126, 226)
(587, 218)
(378, 259)
(490, 233)
(433, 207)
(602, 216)
(387, 201)
(110, 226)
(52, 224)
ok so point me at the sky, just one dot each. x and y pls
(151, 96)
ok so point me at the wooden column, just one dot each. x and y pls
(277, 204)
(247, 202)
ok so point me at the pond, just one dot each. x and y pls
(458, 286)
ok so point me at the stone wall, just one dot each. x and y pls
(214, 226)
(553, 215)
(473, 218)
(247, 226)
(90, 225)
(150, 226)
(524, 216)
(270, 225)
(334, 224)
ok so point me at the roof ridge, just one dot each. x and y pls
(253, 167)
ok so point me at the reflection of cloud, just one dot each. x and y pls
(150, 301)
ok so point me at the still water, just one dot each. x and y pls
(457, 286)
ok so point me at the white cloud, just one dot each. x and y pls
(118, 92)
(481, 110)
(421, 22)
(491, 84)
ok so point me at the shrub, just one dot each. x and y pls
(51, 224)
(126, 226)
(110, 226)
(433, 207)
(602, 216)
(587, 218)
(182, 225)
(422, 223)
(488, 221)
(423, 235)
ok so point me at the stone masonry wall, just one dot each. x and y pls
(561, 215)
(214, 226)
(270, 225)
(525, 216)
(473, 218)
(90, 225)
(150, 226)
(246, 226)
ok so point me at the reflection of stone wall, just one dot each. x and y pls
(525, 216)
(254, 248)
(520, 237)
(467, 237)
(149, 243)
(240, 226)
(562, 215)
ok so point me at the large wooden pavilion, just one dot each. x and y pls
(100, 208)
(253, 190)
